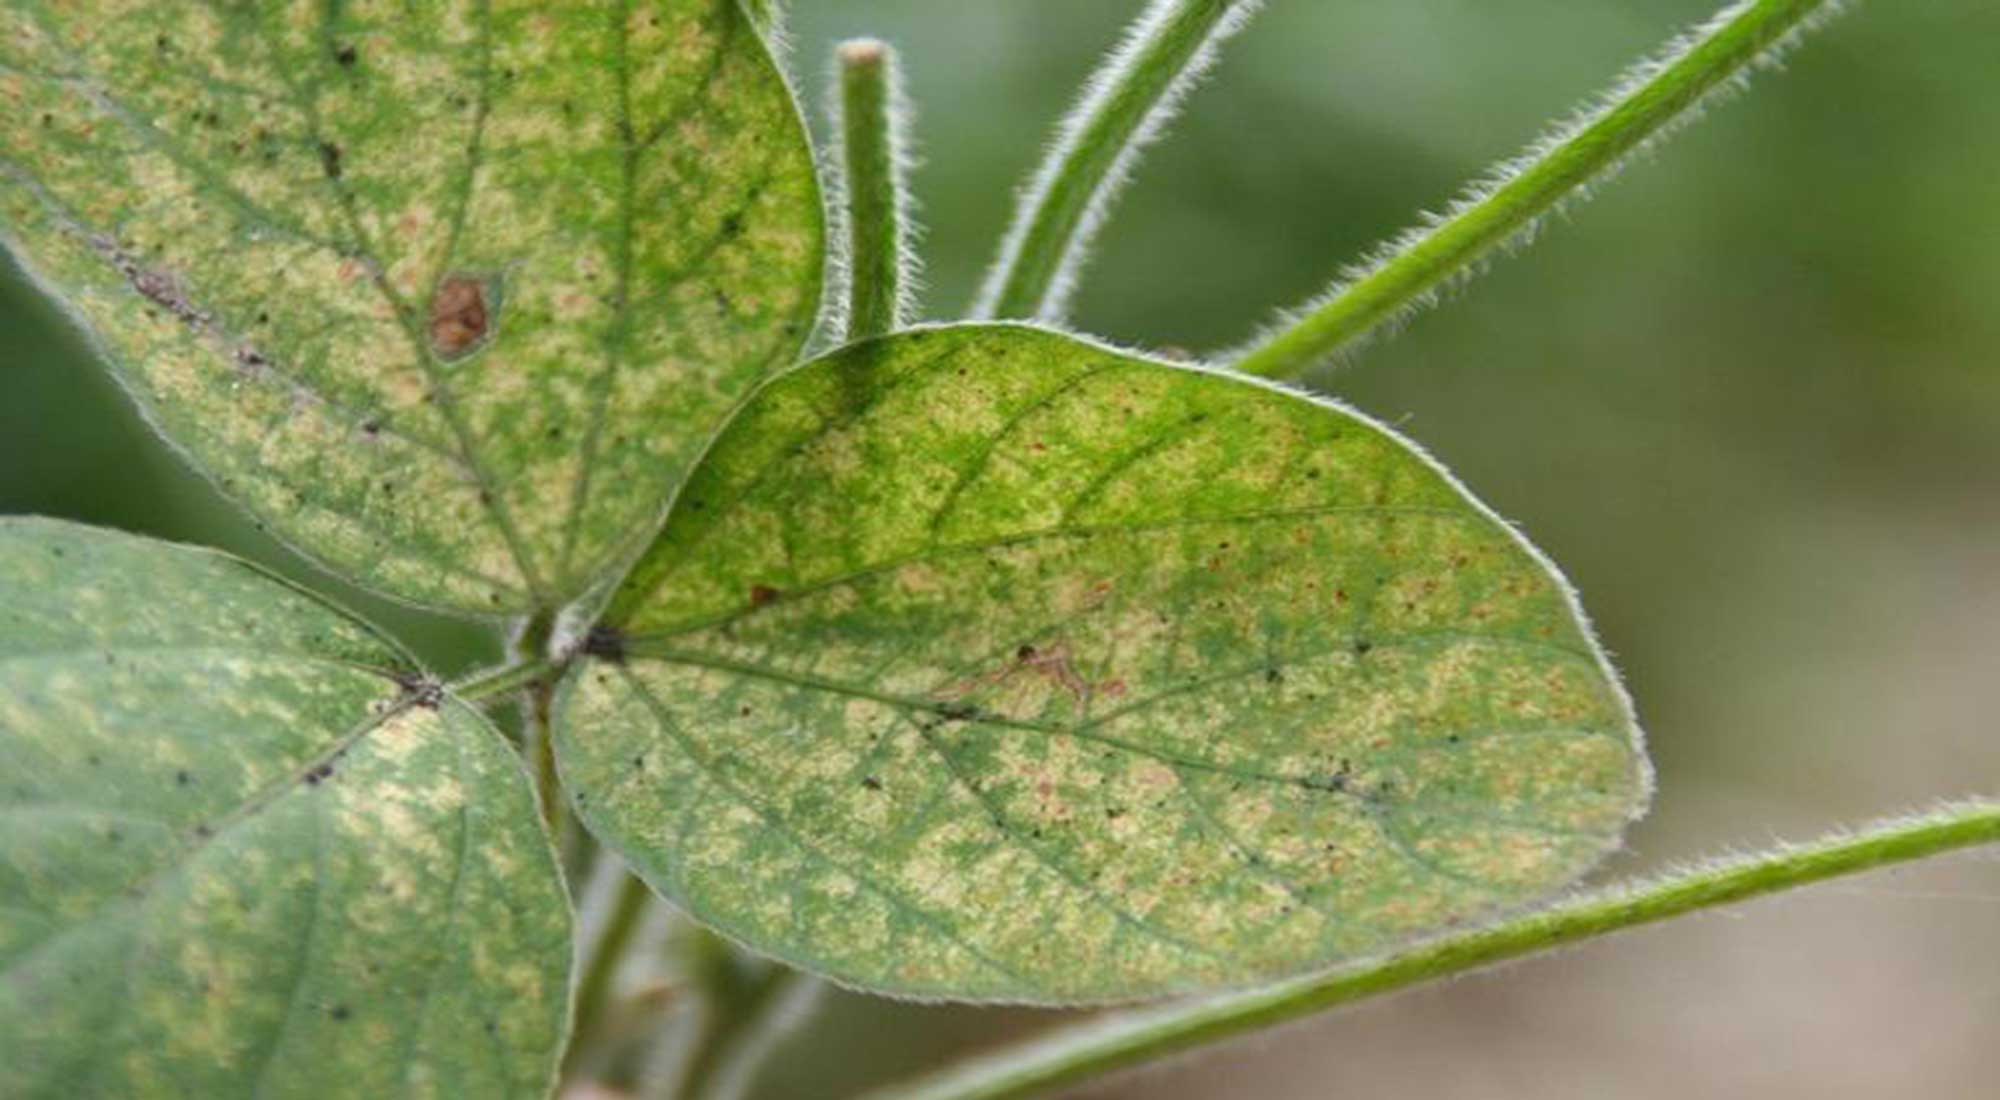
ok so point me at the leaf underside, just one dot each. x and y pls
(447, 295)
(243, 857)
(982, 662)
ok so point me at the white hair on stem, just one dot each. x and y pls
(830, 328)
(903, 163)
(898, 120)
(1123, 1042)
(1426, 289)
(1102, 98)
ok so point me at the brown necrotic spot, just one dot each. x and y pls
(461, 315)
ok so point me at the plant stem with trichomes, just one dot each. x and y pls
(1646, 105)
(1123, 108)
(868, 120)
(1091, 1050)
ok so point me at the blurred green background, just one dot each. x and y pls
(1750, 400)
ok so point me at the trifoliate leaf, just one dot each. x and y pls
(984, 662)
(448, 295)
(245, 851)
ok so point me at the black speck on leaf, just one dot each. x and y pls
(606, 643)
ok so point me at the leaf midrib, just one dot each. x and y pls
(618, 338)
(949, 710)
(173, 863)
(491, 500)
(934, 551)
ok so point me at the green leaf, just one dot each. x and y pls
(246, 850)
(983, 662)
(448, 295)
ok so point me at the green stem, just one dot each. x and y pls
(537, 694)
(594, 986)
(541, 735)
(1122, 109)
(747, 1007)
(1650, 100)
(783, 1004)
(506, 680)
(868, 120)
(1093, 1049)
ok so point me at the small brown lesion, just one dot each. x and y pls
(461, 315)
(1051, 663)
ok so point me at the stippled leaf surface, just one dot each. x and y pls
(983, 662)
(240, 856)
(448, 294)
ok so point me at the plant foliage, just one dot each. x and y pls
(975, 661)
(250, 850)
(986, 662)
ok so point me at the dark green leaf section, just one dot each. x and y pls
(984, 662)
(244, 853)
(448, 294)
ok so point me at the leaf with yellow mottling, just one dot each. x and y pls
(984, 662)
(447, 295)
(245, 851)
